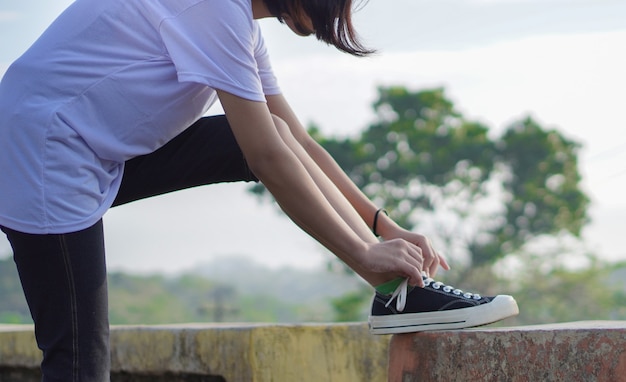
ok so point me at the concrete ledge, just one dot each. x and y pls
(580, 351)
(229, 352)
(18, 348)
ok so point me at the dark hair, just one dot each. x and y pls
(332, 21)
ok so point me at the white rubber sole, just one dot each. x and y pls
(501, 307)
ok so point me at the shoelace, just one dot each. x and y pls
(401, 291)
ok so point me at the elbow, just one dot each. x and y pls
(268, 162)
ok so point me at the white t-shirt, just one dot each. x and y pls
(110, 80)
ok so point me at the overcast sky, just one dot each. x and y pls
(560, 61)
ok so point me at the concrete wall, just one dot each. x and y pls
(199, 352)
(593, 351)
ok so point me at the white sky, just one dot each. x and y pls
(560, 61)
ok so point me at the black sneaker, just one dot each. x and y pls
(436, 307)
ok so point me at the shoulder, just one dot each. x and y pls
(222, 17)
(238, 9)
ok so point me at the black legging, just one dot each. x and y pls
(64, 275)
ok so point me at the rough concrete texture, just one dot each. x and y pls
(229, 352)
(254, 352)
(570, 352)
(18, 348)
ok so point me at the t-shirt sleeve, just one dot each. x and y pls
(215, 43)
(268, 79)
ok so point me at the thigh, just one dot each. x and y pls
(205, 153)
(64, 280)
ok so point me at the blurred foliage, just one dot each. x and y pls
(158, 299)
(195, 298)
(352, 306)
(596, 291)
(429, 165)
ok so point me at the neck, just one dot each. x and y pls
(259, 10)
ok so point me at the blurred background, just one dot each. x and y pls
(494, 126)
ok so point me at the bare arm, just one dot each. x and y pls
(366, 209)
(293, 188)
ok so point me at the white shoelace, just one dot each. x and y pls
(401, 291)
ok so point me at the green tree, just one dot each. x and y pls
(486, 197)
(542, 184)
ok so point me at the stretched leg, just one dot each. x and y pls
(205, 153)
(64, 281)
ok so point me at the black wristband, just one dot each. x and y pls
(376, 220)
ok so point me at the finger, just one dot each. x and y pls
(410, 268)
(431, 260)
(444, 263)
(428, 267)
(440, 262)
(413, 250)
(415, 278)
(414, 271)
(434, 267)
(414, 259)
(432, 270)
(411, 262)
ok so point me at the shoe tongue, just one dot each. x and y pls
(390, 286)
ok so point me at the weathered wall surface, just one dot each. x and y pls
(593, 351)
(200, 352)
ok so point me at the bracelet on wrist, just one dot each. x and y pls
(376, 219)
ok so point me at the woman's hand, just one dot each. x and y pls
(393, 258)
(432, 259)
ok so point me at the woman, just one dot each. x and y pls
(106, 108)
